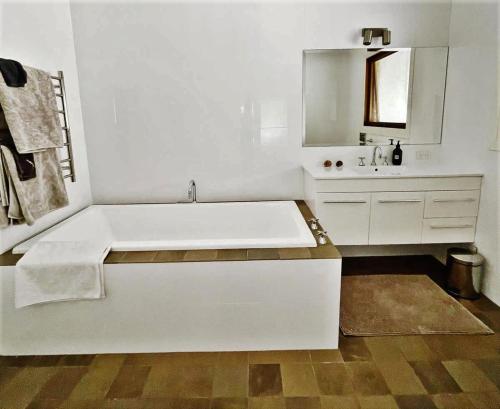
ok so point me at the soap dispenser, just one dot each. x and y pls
(397, 155)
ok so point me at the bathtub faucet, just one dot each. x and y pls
(192, 191)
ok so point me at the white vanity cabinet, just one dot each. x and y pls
(346, 216)
(361, 210)
(396, 217)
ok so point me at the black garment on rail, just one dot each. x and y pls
(13, 73)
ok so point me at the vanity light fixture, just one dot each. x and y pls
(369, 33)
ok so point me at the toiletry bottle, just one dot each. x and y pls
(397, 155)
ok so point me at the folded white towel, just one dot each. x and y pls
(60, 271)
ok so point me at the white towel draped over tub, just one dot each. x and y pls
(61, 271)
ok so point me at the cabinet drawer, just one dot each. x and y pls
(346, 216)
(461, 203)
(396, 217)
(449, 230)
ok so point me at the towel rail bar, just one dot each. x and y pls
(69, 168)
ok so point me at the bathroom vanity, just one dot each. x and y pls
(387, 205)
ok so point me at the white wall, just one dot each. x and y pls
(213, 92)
(470, 122)
(41, 35)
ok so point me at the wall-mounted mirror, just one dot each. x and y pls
(368, 96)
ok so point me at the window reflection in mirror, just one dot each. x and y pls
(387, 84)
(405, 100)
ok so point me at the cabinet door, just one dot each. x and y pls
(453, 203)
(346, 216)
(449, 230)
(396, 217)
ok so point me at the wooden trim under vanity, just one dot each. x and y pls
(325, 251)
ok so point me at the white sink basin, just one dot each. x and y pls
(380, 170)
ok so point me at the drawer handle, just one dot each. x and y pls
(400, 201)
(344, 201)
(451, 226)
(468, 199)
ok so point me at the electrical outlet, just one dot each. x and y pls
(423, 155)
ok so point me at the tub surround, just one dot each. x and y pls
(325, 251)
(214, 300)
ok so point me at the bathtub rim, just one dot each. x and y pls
(327, 251)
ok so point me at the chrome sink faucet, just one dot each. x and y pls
(192, 191)
(374, 158)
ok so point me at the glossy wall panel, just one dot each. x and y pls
(212, 92)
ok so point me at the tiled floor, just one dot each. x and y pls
(406, 372)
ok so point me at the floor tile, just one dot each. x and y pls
(278, 357)
(302, 403)
(83, 404)
(326, 355)
(354, 349)
(6, 374)
(24, 386)
(435, 377)
(231, 358)
(179, 381)
(485, 400)
(147, 359)
(452, 401)
(129, 382)
(108, 360)
(192, 358)
(157, 403)
(265, 380)
(230, 381)
(415, 402)
(366, 379)
(383, 349)
(468, 376)
(450, 347)
(298, 380)
(400, 378)
(491, 367)
(16, 361)
(377, 402)
(95, 384)
(62, 383)
(45, 404)
(267, 402)
(414, 348)
(76, 360)
(46, 360)
(339, 402)
(229, 403)
(333, 379)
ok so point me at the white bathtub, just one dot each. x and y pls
(188, 306)
(145, 227)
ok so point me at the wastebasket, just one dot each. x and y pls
(464, 273)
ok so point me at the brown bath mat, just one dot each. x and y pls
(402, 305)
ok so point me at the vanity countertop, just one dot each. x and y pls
(385, 172)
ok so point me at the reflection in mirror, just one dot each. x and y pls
(368, 96)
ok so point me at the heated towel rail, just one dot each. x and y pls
(67, 158)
